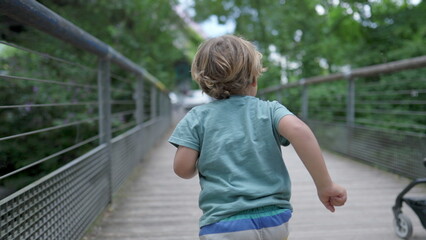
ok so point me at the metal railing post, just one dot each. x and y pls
(305, 100)
(350, 103)
(104, 100)
(104, 85)
(168, 109)
(350, 111)
(159, 104)
(162, 100)
(153, 102)
(140, 100)
(279, 96)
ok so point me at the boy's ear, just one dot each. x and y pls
(254, 83)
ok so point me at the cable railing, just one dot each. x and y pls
(70, 133)
(21, 110)
(376, 114)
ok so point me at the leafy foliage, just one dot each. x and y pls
(321, 36)
(144, 31)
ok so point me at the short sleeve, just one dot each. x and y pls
(187, 132)
(278, 113)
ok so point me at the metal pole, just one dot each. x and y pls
(153, 102)
(350, 103)
(305, 100)
(164, 105)
(140, 100)
(279, 96)
(169, 110)
(104, 99)
(350, 111)
(159, 104)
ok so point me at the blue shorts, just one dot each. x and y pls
(266, 223)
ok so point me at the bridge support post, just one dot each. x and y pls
(350, 112)
(350, 103)
(153, 102)
(104, 101)
(164, 106)
(160, 104)
(304, 101)
(279, 96)
(140, 100)
(104, 98)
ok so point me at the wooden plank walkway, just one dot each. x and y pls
(157, 205)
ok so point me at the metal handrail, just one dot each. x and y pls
(34, 14)
(384, 68)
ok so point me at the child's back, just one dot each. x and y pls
(234, 145)
(240, 163)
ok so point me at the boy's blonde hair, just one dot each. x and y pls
(226, 65)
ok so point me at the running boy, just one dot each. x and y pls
(234, 144)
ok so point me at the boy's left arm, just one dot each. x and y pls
(185, 162)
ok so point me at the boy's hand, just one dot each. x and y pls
(332, 196)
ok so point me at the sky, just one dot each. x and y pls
(213, 29)
(210, 27)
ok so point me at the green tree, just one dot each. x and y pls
(148, 32)
(322, 36)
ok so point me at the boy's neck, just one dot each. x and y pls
(251, 90)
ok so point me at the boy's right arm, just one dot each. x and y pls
(185, 162)
(308, 150)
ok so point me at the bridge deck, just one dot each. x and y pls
(156, 205)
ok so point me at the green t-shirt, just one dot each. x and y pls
(240, 163)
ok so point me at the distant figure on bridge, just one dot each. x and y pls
(234, 144)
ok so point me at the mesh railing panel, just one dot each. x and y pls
(127, 149)
(397, 152)
(61, 204)
(124, 158)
